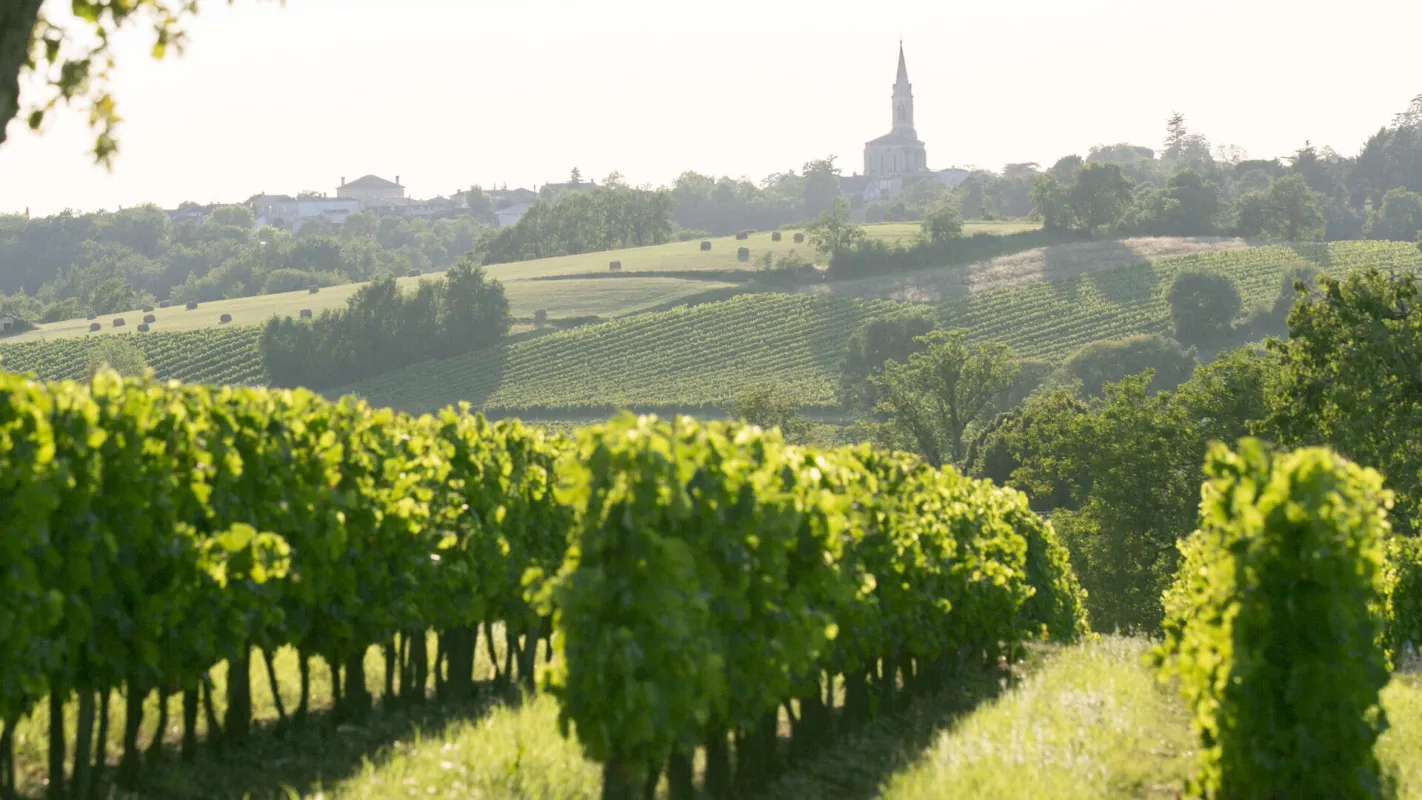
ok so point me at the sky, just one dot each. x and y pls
(279, 98)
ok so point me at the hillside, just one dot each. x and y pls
(568, 297)
(211, 355)
(701, 356)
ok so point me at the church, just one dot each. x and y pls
(898, 152)
(898, 157)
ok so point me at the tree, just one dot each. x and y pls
(1049, 201)
(1292, 213)
(234, 215)
(1187, 206)
(1203, 306)
(942, 225)
(821, 185)
(576, 177)
(1399, 219)
(892, 337)
(1097, 364)
(772, 405)
(1100, 196)
(938, 393)
(74, 62)
(117, 354)
(1251, 214)
(832, 232)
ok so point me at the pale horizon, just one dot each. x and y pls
(448, 93)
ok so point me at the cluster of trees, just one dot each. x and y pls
(382, 329)
(726, 205)
(69, 265)
(604, 217)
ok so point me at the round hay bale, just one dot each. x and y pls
(800, 238)
(705, 245)
(775, 236)
(150, 318)
(118, 322)
(224, 319)
(306, 313)
(92, 317)
(94, 326)
(414, 273)
(743, 254)
(615, 266)
(313, 289)
(192, 304)
(540, 316)
(147, 309)
(143, 328)
(163, 304)
(742, 235)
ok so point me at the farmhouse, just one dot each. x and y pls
(371, 188)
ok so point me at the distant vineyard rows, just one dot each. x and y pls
(210, 355)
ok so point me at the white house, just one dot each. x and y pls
(510, 215)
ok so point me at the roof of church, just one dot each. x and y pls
(903, 67)
(370, 182)
(895, 137)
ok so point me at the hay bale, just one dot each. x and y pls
(614, 266)
(313, 289)
(800, 238)
(742, 235)
(743, 254)
(94, 326)
(224, 319)
(163, 304)
(192, 304)
(775, 236)
(150, 318)
(306, 313)
(414, 273)
(118, 322)
(92, 317)
(705, 245)
(143, 328)
(147, 309)
(540, 316)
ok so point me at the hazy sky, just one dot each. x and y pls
(446, 93)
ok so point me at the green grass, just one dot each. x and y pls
(701, 356)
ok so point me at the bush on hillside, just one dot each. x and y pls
(294, 280)
(688, 235)
(1100, 363)
(224, 319)
(382, 329)
(147, 308)
(872, 257)
(164, 304)
(414, 273)
(1203, 306)
(1274, 625)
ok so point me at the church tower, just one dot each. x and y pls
(899, 152)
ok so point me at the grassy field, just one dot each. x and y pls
(702, 356)
(1087, 721)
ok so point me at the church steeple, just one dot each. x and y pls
(903, 97)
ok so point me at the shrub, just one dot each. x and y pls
(775, 236)
(306, 313)
(1404, 624)
(224, 319)
(192, 304)
(414, 273)
(1203, 306)
(743, 254)
(91, 317)
(147, 309)
(94, 326)
(164, 304)
(118, 322)
(1274, 624)
(143, 328)
(1099, 363)
(799, 237)
(688, 235)
(705, 244)
(150, 318)
(540, 316)
(614, 266)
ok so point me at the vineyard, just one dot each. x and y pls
(210, 355)
(690, 578)
(701, 356)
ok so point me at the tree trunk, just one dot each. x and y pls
(129, 763)
(155, 747)
(406, 670)
(57, 745)
(619, 782)
(489, 646)
(334, 666)
(510, 649)
(527, 657)
(388, 648)
(276, 689)
(679, 776)
(718, 765)
(357, 698)
(7, 761)
(215, 734)
(83, 741)
(17, 24)
(812, 729)
(889, 682)
(458, 646)
(190, 717)
(239, 695)
(420, 667)
(101, 746)
(856, 697)
(303, 703)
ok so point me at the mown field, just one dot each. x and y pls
(560, 299)
(1087, 721)
(701, 356)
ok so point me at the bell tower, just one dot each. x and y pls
(903, 98)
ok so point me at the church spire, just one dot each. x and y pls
(903, 67)
(903, 98)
